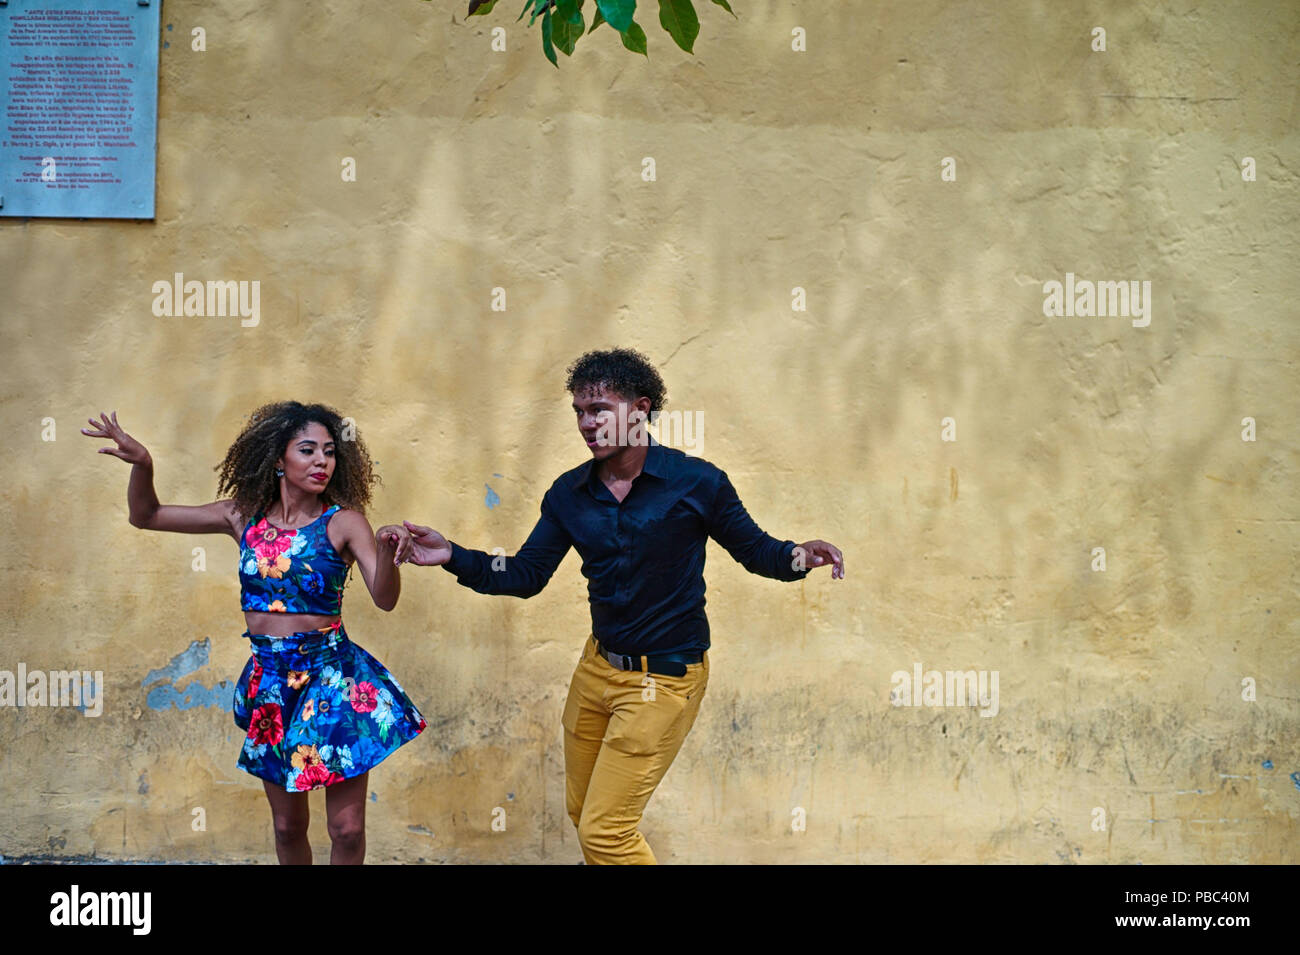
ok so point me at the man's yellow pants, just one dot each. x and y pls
(622, 730)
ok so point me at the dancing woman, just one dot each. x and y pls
(318, 710)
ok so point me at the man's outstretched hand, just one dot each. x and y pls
(428, 547)
(816, 553)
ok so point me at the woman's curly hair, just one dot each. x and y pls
(248, 470)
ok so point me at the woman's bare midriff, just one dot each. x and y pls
(286, 624)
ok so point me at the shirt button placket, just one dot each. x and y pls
(622, 550)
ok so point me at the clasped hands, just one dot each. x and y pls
(407, 542)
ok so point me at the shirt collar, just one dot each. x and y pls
(655, 465)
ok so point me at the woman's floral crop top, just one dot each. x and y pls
(291, 570)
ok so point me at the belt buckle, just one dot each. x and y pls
(620, 661)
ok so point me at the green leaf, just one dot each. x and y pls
(679, 19)
(538, 7)
(480, 8)
(527, 4)
(597, 20)
(634, 38)
(617, 12)
(726, 6)
(567, 26)
(547, 46)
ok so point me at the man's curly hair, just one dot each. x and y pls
(621, 370)
(248, 470)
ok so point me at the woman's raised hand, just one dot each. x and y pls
(428, 547)
(128, 448)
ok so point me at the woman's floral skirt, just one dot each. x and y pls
(318, 709)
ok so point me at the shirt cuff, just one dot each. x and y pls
(789, 562)
(458, 562)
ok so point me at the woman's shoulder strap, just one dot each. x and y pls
(243, 534)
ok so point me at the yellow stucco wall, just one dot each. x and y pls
(1120, 690)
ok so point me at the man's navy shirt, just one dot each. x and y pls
(644, 557)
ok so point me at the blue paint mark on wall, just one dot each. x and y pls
(1267, 764)
(196, 694)
(1295, 778)
(194, 657)
(88, 691)
(183, 664)
(374, 797)
(492, 500)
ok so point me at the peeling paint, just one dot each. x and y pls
(183, 664)
(88, 691)
(192, 658)
(196, 694)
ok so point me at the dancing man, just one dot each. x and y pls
(639, 515)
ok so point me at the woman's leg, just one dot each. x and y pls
(290, 814)
(345, 809)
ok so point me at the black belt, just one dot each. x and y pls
(669, 664)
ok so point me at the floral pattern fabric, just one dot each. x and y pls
(318, 709)
(291, 570)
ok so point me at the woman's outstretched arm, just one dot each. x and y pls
(145, 511)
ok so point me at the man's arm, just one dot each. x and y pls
(523, 575)
(758, 552)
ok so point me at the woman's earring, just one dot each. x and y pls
(279, 472)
